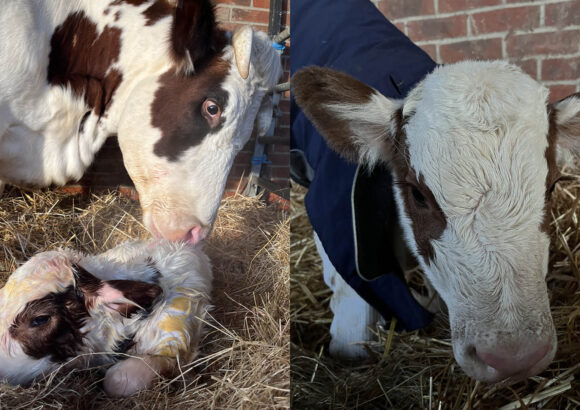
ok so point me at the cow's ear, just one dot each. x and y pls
(194, 36)
(356, 120)
(566, 124)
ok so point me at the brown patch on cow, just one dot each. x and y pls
(131, 2)
(117, 15)
(82, 59)
(51, 326)
(176, 109)
(553, 171)
(156, 12)
(427, 219)
(88, 285)
(106, 11)
(314, 88)
(142, 293)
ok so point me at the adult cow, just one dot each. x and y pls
(467, 155)
(157, 73)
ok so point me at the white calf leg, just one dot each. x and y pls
(352, 315)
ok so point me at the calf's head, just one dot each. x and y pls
(472, 151)
(52, 310)
(181, 131)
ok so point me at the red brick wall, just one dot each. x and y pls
(108, 170)
(541, 36)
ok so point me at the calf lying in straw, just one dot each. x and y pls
(64, 309)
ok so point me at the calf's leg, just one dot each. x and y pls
(137, 373)
(353, 317)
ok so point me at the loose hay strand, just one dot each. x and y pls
(246, 342)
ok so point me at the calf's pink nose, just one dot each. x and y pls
(509, 362)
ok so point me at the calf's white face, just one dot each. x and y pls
(472, 150)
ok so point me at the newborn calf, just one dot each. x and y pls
(145, 300)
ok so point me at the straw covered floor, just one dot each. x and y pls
(244, 356)
(416, 370)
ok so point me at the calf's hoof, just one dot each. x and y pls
(129, 377)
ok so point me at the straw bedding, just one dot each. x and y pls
(244, 359)
(417, 369)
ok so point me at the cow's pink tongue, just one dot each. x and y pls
(196, 235)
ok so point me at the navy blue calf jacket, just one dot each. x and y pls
(353, 36)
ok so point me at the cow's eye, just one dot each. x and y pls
(211, 111)
(40, 321)
(419, 198)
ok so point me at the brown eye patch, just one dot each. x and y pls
(50, 327)
(182, 109)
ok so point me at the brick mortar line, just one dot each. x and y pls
(234, 6)
(448, 40)
(552, 56)
(561, 82)
(468, 28)
(498, 34)
(474, 11)
(504, 53)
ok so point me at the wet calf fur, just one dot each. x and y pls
(143, 300)
(473, 151)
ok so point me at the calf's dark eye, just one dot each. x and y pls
(418, 197)
(39, 321)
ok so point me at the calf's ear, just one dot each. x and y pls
(566, 124)
(124, 296)
(356, 120)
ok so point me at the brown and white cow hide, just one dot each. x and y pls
(181, 97)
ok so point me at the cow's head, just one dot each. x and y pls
(52, 310)
(181, 130)
(472, 150)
